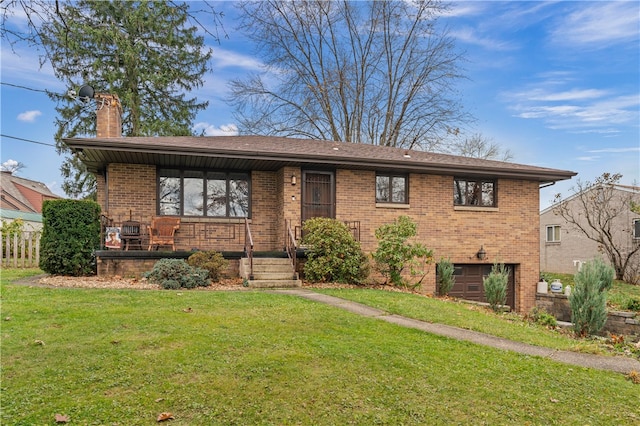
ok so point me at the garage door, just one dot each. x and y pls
(469, 283)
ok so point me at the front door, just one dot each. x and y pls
(318, 195)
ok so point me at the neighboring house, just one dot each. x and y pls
(564, 248)
(22, 198)
(472, 211)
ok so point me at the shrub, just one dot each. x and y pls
(176, 273)
(333, 255)
(542, 317)
(70, 235)
(495, 286)
(212, 261)
(446, 279)
(633, 304)
(588, 299)
(395, 253)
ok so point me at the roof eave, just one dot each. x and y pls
(541, 175)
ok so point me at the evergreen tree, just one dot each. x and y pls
(588, 299)
(146, 52)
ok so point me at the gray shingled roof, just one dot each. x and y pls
(271, 153)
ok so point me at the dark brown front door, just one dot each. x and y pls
(318, 195)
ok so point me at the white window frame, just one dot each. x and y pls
(553, 233)
(636, 227)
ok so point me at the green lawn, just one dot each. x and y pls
(123, 356)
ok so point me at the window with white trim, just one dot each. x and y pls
(636, 228)
(553, 233)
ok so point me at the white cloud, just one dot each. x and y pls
(222, 58)
(599, 24)
(570, 95)
(29, 116)
(575, 109)
(463, 9)
(9, 165)
(211, 130)
(616, 150)
(469, 36)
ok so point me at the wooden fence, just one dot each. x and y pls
(20, 250)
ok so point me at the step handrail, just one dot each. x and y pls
(248, 246)
(290, 246)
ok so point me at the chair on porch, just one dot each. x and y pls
(162, 230)
(130, 234)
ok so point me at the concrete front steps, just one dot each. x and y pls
(269, 272)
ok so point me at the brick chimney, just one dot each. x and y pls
(108, 116)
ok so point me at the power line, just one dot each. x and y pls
(23, 87)
(27, 140)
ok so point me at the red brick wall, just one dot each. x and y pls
(108, 116)
(135, 268)
(508, 233)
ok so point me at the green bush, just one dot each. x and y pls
(70, 236)
(542, 317)
(395, 253)
(446, 278)
(333, 255)
(172, 274)
(588, 298)
(495, 286)
(633, 304)
(212, 261)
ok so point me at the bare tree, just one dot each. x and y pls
(479, 146)
(377, 72)
(601, 210)
(12, 166)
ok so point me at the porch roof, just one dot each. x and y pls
(272, 153)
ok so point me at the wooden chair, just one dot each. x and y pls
(130, 234)
(162, 230)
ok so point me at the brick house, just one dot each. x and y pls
(461, 205)
(22, 198)
(563, 248)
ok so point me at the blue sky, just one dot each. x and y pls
(557, 83)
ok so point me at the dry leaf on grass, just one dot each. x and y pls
(62, 418)
(164, 417)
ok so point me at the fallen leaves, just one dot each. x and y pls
(163, 417)
(38, 342)
(60, 418)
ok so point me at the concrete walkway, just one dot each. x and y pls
(612, 363)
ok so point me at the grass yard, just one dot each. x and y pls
(472, 317)
(124, 356)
